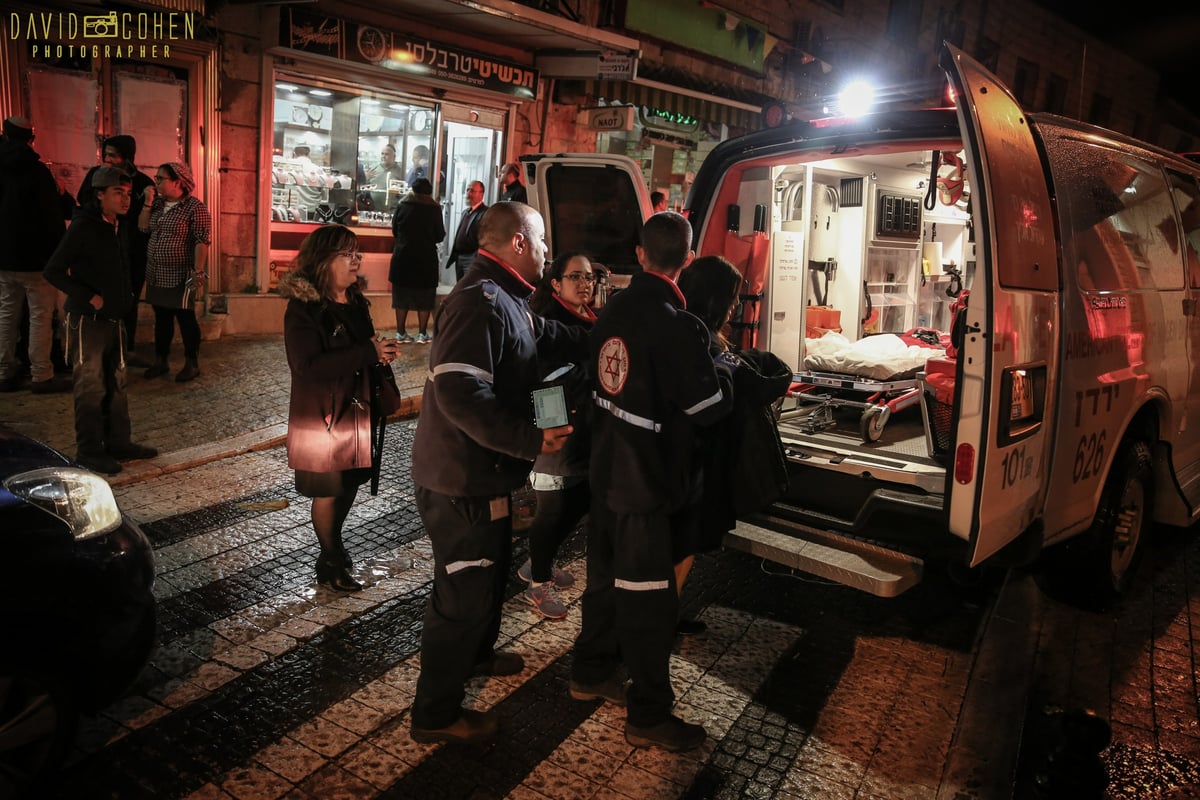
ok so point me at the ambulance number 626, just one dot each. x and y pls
(1089, 456)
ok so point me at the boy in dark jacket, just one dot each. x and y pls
(90, 266)
(119, 151)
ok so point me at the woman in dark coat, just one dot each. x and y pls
(331, 349)
(418, 227)
(560, 479)
(710, 284)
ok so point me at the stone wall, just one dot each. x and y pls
(240, 96)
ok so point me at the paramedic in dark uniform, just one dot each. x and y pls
(655, 382)
(475, 443)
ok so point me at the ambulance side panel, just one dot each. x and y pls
(1126, 370)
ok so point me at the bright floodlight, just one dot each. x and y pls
(856, 98)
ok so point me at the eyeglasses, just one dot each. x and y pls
(161, 178)
(354, 257)
(580, 277)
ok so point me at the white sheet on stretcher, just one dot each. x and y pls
(882, 357)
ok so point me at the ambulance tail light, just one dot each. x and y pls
(964, 463)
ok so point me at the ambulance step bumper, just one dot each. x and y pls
(859, 565)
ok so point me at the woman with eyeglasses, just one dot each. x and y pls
(331, 349)
(180, 229)
(559, 479)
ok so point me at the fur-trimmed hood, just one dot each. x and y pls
(297, 286)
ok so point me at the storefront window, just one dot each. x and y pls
(345, 155)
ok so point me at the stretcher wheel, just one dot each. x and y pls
(872, 422)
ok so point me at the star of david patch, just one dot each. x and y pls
(612, 365)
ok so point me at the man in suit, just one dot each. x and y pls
(466, 240)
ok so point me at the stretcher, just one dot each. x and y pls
(832, 390)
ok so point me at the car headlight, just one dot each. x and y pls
(79, 498)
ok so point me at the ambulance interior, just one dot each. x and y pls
(852, 266)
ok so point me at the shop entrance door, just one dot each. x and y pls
(472, 154)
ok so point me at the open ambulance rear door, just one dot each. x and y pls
(593, 203)
(996, 479)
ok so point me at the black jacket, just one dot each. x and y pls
(329, 352)
(743, 462)
(418, 227)
(466, 239)
(33, 213)
(135, 239)
(572, 459)
(91, 261)
(476, 436)
(655, 383)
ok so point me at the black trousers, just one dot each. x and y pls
(137, 279)
(558, 513)
(95, 353)
(164, 331)
(472, 553)
(630, 609)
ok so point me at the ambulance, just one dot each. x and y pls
(1049, 270)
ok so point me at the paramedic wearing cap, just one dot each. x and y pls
(475, 443)
(654, 383)
(90, 267)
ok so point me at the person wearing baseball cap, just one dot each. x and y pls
(31, 225)
(90, 266)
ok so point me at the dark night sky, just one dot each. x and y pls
(1162, 35)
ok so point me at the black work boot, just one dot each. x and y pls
(160, 368)
(190, 371)
(674, 735)
(473, 727)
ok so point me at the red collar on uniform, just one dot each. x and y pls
(674, 287)
(514, 273)
(588, 314)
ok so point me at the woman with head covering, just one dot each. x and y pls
(331, 349)
(180, 230)
(710, 285)
(417, 227)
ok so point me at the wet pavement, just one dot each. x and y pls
(265, 686)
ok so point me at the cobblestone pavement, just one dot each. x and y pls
(264, 686)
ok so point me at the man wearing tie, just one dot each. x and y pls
(466, 240)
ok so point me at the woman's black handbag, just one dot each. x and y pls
(385, 394)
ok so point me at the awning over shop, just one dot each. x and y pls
(508, 23)
(679, 100)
